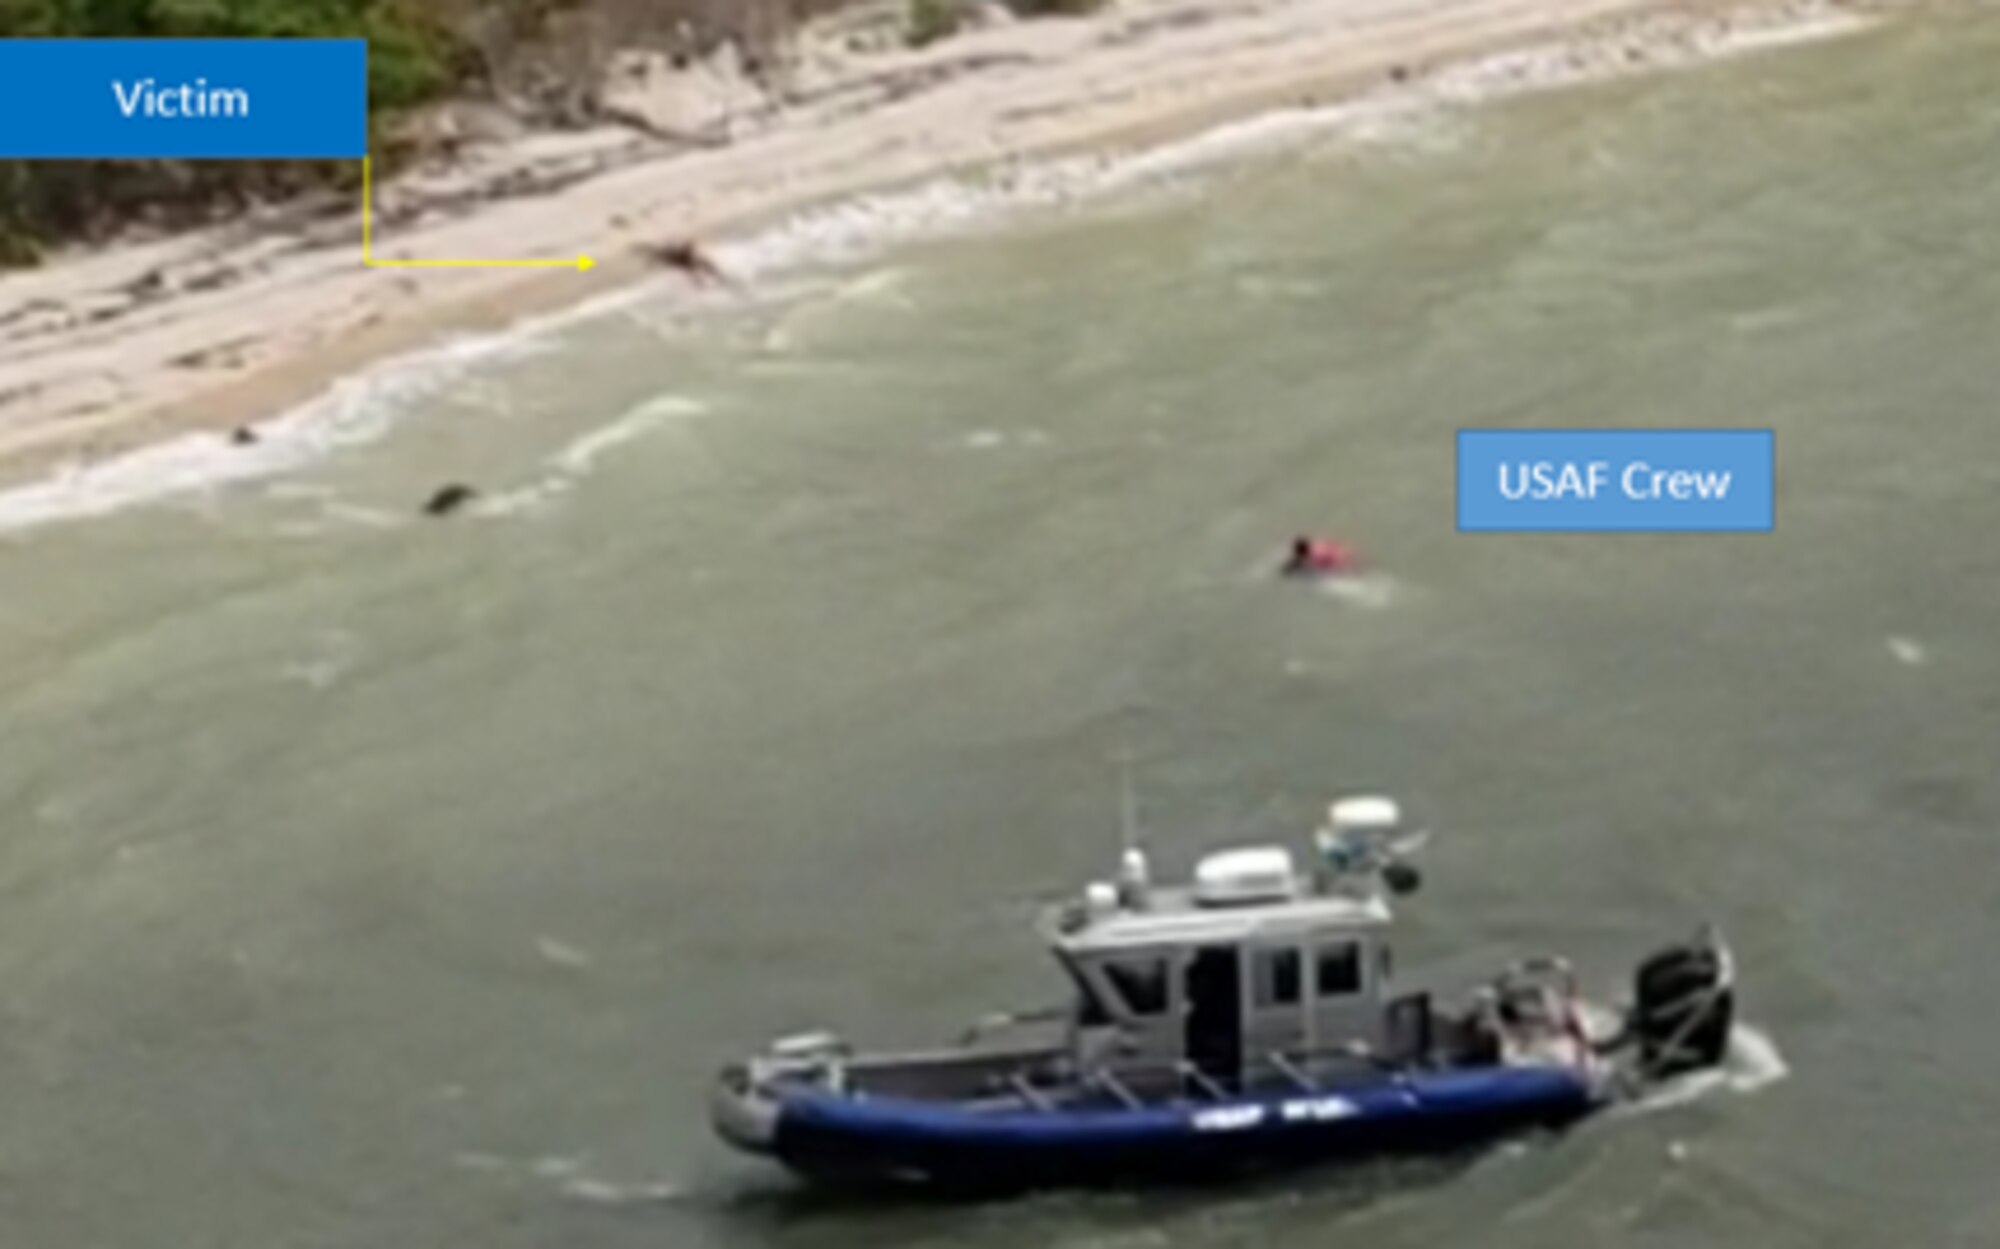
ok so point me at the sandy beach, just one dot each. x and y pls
(107, 350)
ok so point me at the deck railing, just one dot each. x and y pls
(1137, 1086)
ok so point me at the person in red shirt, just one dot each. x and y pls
(1318, 557)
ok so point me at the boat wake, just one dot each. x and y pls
(1373, 591)
(599, 1192)
(1752, 1062)
(576, 1183)
(573, 1181)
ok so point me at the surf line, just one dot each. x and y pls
(582, 263)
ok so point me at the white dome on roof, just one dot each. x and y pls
(1250, 874)
(1368, 811)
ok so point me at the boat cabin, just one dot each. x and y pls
(1255, 972)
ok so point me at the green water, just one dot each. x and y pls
(376, 883)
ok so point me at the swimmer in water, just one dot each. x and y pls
(1318, 557)
(450, 498)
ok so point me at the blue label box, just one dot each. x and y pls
(194, 99)
(1617, 480)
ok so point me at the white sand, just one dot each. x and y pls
(239, 325)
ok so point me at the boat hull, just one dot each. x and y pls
(832, 1137)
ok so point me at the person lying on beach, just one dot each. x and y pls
(690, 258)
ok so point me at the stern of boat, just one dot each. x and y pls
(1683, 1007)
(1678, 1020)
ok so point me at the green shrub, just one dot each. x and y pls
(419, 51)
(414, 56)
(932, 20)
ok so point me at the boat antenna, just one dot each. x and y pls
(1128, 809)
(1133, 883)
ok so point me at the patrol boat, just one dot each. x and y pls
(1248, 1019)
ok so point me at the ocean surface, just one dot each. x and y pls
(371, 882)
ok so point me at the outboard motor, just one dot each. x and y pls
(1683, 1005)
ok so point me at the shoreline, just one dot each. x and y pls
(272, 333)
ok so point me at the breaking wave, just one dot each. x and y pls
(364, 407)
(357, 410)
(1752, 1062)
(569, 466)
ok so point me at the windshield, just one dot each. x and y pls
(1131, 987)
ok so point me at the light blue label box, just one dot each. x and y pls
(195, 99)
(1617, 480)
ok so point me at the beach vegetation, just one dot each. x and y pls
(932, 20)
(542, 61)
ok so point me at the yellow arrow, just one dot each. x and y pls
(368, 251)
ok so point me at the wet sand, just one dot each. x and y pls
(104, 352)
(375, 880)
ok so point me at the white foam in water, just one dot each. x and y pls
(560, 953)
(995, 439)
(847, 231)
(583, 1188)
(362, 408)
(1265, 132)
(356, 410)
(579, 459)
(861, 226)
(567, 1171)
(1753, 1060)
(1908, 650)
(1751, 1063)
(1390, 116)
(558, 1166)
(528, 500)
(1370, 590)
(1668, 44)
(877, 284)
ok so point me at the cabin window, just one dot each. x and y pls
(1277, 978)
(1140, 983)
(1340, 970)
